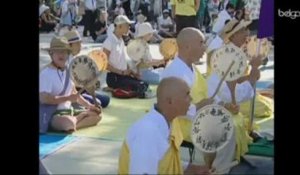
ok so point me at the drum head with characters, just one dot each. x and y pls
(168, 48)
(251, 45)
(83, 71)
(212, 128)
(222, 58)
(136, 49)
(100, 59)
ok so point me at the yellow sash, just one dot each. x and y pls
(171, 162)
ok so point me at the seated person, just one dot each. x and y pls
(119, 10)
(48, 21)
(100, 28)
(57, 88)
(120, 75)
(165, 25)
(145, 66)
(74, 41)
(160, 135)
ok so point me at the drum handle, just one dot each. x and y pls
(222, 80)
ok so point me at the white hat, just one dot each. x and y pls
(166, 11)
(72, 36)
(122, 19)
(212, 128)
(144, 29)
(141, 18)
(42, 9)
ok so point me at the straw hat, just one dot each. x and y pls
(59, 43)
(144, 29)
(212, 128)
(72, 36)
(232, 27)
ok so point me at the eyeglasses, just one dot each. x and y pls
(233, 27)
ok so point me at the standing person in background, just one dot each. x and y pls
(90, 16)
(184, 13)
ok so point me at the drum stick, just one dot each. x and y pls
(253, 99)
(222, 80)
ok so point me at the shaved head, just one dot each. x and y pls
(173, 97)
(191, 45)
(169, 87)
(187, 35)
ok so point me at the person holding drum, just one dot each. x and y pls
(158, 133)
(236, 33)
(57, 88)
(144, 66)
(188, 53)
(74, 41)
(120, 76)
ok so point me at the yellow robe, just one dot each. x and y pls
(169, 164)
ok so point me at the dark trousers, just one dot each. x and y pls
(185, 21)
(115, 81)
(89, 20)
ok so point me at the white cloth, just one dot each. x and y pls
(110, 29)
(118, 54)
(220, 21)
(52, 82)
(243, 91)
(90, 4)
(151, 133)
(216, 43)
(178, 68)
(162, 21)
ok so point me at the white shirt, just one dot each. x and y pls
(118, 54)
(90, 4)
(148, 141)
(162, 21)
(178, 68)
(243, 91)
(110, 29)
(52, 82)
(220, 21)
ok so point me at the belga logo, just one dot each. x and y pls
(289, 14)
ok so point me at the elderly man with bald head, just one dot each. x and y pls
(152, 144)
(191, 48)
